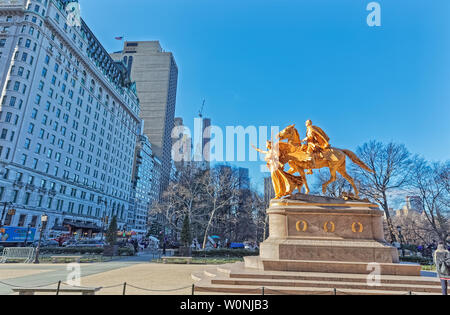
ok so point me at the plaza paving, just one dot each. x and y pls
(137, 271)
(142, 276)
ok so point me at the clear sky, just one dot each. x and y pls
(277, 62)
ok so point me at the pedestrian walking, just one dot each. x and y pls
(442, 262)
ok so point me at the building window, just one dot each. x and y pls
(33, 220)
(22, 220)
(8, 219)
(23, 159)
(27, 143)
(26, 199)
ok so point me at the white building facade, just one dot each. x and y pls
(146, 185)
(69, 122)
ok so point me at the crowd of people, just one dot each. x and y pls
(428, 249)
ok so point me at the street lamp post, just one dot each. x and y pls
(26, 236)
(400, 236)
(164, 240)
(103, 217)
(44, 219)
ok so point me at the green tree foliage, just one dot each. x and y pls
(186, 235)
(111, 233)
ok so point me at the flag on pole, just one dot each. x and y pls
(119, 38)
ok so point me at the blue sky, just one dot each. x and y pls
(277, 62)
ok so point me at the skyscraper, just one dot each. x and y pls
(269, 192)
(182, 144)
(156, 74)
(196, 151)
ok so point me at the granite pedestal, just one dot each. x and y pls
(322, 234)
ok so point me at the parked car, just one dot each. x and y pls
(250, 246)
(46, 243)
(87, 243)
(68, 242)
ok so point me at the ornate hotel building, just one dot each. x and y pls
(69, 122)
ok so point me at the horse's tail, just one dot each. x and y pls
(355, 159)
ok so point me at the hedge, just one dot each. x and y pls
(71, 250)
(122, 251)
(236, 253)
(417, 260)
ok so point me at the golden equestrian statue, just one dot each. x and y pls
(315, 153)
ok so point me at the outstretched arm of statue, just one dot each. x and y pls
(259, 150)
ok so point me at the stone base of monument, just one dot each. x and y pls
(322, 234)
(333, 238)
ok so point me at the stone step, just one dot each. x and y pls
(325, 284)
(238, 271)
(330, 266)
(235, 279)
(230, 289)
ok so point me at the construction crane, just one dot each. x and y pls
(200, 113)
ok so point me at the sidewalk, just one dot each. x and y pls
(45, 274)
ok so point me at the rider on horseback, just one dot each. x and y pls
(317, 141)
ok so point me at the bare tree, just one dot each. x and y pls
(245, 227)
(430, 181)
(185, 196)
(415, 228)
(221, 191)
(259, 206)
(392, 169)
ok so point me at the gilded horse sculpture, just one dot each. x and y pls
(300, 157)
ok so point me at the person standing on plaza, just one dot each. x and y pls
(442, 262)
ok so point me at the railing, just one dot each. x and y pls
(25, 253)
(255, 291)
(13, 4)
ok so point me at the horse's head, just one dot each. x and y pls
(289, 133)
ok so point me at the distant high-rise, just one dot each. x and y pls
(206, 145)
(413, 205)
(156, 75)
(269, 192)
(244, 178)
(197, 150)
(182, 144)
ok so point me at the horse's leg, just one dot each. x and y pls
(305, 182)
(343, 171)
(332, 179)
(297, 168)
